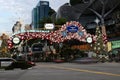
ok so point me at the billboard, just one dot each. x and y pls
(72, 28)
(36, 48)
(115, 44)
(49, 26)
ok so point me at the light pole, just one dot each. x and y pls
(26, 46)
(26, 51)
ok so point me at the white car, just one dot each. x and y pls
(4, 62)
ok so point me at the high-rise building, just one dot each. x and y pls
(39, 12)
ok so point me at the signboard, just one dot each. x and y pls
(109, 46)
(37, 47)
(72, 28)
(89, 40)
(16, 40)
(115, 44)
(49, 26)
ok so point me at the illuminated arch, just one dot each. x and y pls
(70, 30)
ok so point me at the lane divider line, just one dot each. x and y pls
(83, 70)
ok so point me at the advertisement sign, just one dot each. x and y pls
(115, 44)
(109, 46)
(49, 26)
(37, 47)
(16, 40)
(89, 39)
(72, 29)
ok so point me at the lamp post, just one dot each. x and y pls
(26, 51)
(26, 46)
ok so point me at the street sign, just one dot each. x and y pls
(72, 28)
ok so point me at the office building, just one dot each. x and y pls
(39, 12)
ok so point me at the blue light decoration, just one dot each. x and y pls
(72, 28)
(80, 33)
(64, 33)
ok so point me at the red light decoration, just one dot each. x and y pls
(56, 36)
(104, 39)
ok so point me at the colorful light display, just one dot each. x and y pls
(57, 36)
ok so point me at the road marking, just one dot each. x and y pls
(88, 71)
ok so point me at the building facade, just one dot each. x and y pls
(39, 12)
(85, 12)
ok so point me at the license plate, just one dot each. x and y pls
(5, 63)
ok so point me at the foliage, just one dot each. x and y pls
(69, 54)
(3, 48)
(45, 20)
(5, 55)
(60, 21)
(98, 45)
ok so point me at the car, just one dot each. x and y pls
(58, 61)
(21, 65)
(31, 63)
(10, 63)
(114, 55)
(4, 62)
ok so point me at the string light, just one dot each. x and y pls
(57, 36)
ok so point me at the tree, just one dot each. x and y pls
(45, 20)
(106, 7)
(60, 21)
(4, 49)
(104, 11)
(98, 45)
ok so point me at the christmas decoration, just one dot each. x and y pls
(99, 42)
(70, 30)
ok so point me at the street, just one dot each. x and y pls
(65, 71)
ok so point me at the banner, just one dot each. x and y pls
(115, 44)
